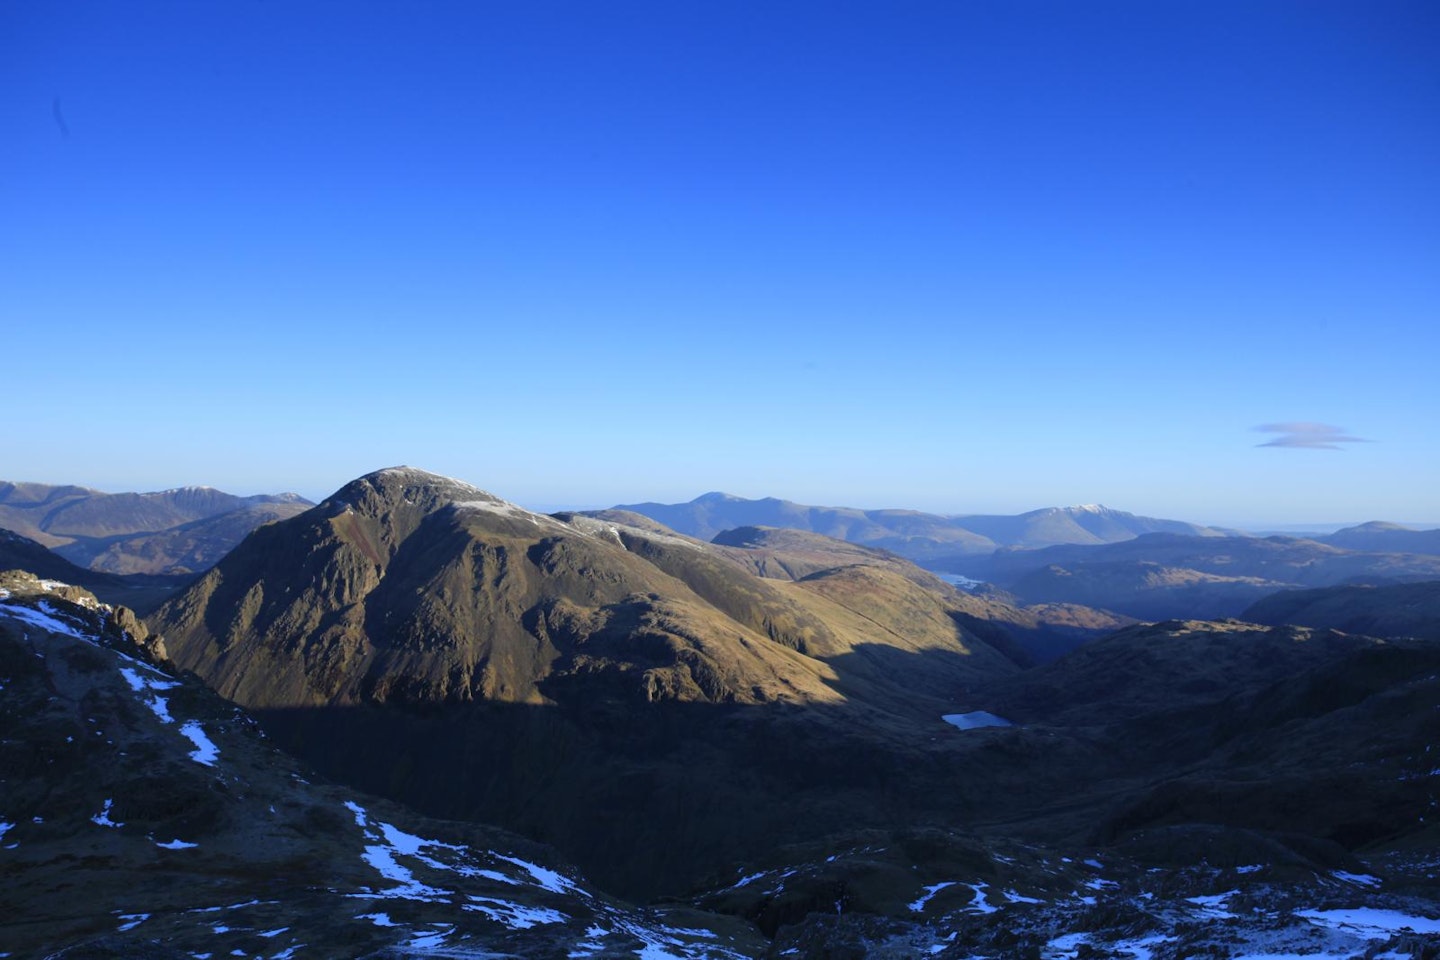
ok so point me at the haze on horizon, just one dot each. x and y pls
(982, 258)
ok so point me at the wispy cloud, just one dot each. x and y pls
(1307, 436)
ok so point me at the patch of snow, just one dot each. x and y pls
(5, 828)
(1359, 879)
(287, 953)
(1212, 906)
(45, 620)
(379, 919)
(103, 817)
(1371, 921)
(513, 915)
(132, 920)
(177, 845)
(358, 810)
(751, 878)
(383, 860)
(1014, 897)
(930, 891)
(975, 720)
(980, 904)
(408, 843)
(1094, 863)
(1250, 868)
(205, 751)
(273, 933)
(545, 877)
(429, 941)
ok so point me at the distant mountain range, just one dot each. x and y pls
(923, 537)
(1161, 576)
(185, 530)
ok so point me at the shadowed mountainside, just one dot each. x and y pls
(1380, 537)
(139, 592)
(1401, 610)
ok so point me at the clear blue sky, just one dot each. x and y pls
(958, 256)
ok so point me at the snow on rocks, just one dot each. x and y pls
(205, 751)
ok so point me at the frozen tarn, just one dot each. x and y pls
(513, 915)
(956, 580)
(42, 619)
(1371, 921)
(103, 817)
(545, 877)
(177, 845)
(975, 720)
(205, 751)
(918, 905)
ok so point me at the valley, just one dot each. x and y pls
(772, 739)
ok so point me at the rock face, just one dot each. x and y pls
(143, 816)
(428, 641)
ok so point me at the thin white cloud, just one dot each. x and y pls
(1307, 436)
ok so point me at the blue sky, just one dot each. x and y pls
(963, 257)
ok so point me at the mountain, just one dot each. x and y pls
(424, 640)
(1401, 610)
(1380, 537)
(139, 592)
(1159, 576)
(170, 532)
(143, 816)
(922, 537)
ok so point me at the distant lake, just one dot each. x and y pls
(955, 579)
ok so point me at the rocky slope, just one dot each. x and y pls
(427, 641)
(142, 816)
(178, 531)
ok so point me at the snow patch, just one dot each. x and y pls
(177, 845)
(205, 751)
(918, 905)
(103, 817)
(513, 915)
(545, 877)
(1371, 921)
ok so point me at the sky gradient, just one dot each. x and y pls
(961, 257)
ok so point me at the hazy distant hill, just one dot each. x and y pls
(1163, 576)
(921, 537)
(1380, 537)
(171, 531)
